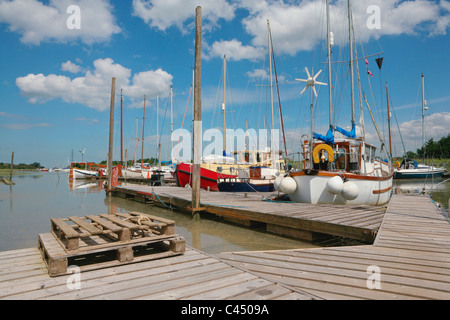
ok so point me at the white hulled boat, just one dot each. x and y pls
(343, 171)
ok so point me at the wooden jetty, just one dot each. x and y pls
(298, 220)
(194, 275)
(410, 259)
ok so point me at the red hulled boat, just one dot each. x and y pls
(208, 178)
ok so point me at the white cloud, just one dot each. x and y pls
(261, 74)
(149, 83)
(70, 67)
(298, 27)
(436, 125)
(94, 88)
(163, 14)
(38, 22)
(234, 50)
(24, 126)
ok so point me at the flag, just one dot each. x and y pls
(368, 71)
(367, 62)
(379, 62)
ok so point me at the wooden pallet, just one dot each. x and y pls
(94, 242)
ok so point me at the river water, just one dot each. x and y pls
(27, 206)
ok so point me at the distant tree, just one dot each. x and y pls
(436, 149)
(411, 155)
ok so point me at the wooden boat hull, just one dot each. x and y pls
(245, 185)
(208, 178)
(83, 174)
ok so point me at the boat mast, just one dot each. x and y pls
(158, 144)
(351, 59)
(121, 127)
(423, 117)
(329, 62)
(389, 122)
(143, 126)
(223, 104)
(271, 99)
(171, 116)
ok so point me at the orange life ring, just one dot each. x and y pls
(321, 147)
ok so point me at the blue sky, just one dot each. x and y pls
(55, 80)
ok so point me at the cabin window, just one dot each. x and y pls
(340, 159)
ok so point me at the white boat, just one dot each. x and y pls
(336, 179)
(132, 173)
(83, 174)
(410, 169)
(343, 171)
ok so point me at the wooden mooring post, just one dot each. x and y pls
(111, 133)
(197, 134)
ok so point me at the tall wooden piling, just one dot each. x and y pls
(197, 145)
(12, 164)
(111, 133)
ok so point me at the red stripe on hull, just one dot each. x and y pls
(208, 178)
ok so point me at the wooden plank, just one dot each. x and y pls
(120, 222)
(68, 231)
(105, 223)
(85, 225)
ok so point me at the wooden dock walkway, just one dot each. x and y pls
(194, 275)
(297, 220)
(411, 256)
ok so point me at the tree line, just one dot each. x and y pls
(21, 166)
(433, 149)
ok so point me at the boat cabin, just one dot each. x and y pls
(355, 156)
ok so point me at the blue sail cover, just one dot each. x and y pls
(349, 134)
(329, 138)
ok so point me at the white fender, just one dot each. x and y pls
(288, 185)
(335, 185)
(350, 190)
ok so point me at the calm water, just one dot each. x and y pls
(26, 209)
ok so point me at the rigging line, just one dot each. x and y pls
(182, 123)
(398, 127)
(279, 100)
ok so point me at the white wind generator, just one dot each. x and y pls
(311, 82)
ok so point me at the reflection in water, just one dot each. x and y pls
(26, 209)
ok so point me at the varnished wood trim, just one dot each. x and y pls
(382, 190)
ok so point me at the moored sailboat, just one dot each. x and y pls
(338, 171)
(410, 169)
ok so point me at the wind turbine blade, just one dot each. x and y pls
(307, 72)
(317, 82)
(302, 80)
(315, 92)
(317, 74)
(303, 90)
